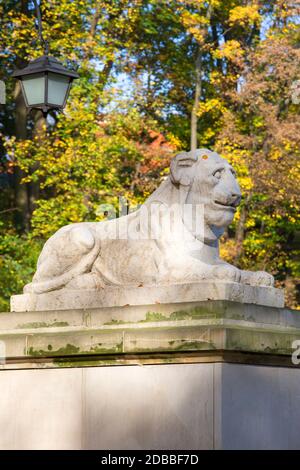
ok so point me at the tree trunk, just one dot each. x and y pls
(22, 214)
(198, 91)
(39, 132)
(198, 84)
(240, 230)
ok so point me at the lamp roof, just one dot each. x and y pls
(45, 64)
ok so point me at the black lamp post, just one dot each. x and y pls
(45, 81)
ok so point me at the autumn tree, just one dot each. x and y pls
(260, 135)
(211, 73)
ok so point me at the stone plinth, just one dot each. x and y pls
(189, 375)
(177, 332)
(165, 406)
(132, 333)
(65, 299)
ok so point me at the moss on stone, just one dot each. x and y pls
(61, 362)
(184, 346)
(192, 313)
(56, 324)
(70, 350)
(67, 350)
(154, 316)
(195, 345)
(103, 350)
(116, 322)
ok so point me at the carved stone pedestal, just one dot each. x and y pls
(183, 375)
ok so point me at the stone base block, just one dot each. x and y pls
(65, 299)
(187, 375)
(181, 406)
(143, 334)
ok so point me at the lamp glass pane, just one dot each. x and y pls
(57, 88)
(34, 88)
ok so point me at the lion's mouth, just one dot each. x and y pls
(231, 206)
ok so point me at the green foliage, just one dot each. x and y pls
(17, 264)
(117, 140)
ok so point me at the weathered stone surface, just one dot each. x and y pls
(173, 408)
(172, 239)
(202, 384)
(66, 299)
(41, 409)
(116, 334)
(163, 406)
(259, 408)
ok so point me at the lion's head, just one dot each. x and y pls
(209, 180)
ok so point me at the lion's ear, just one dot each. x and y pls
(181, 171)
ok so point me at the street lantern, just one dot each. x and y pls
(45, 81)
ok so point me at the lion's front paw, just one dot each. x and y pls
(226, 272)
(258, 278)
(29, 288)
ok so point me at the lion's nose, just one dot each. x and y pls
(235, 199)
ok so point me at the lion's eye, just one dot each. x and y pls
(217, 174)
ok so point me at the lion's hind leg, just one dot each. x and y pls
(68, 254)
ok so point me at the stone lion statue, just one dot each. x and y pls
(160, 243)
